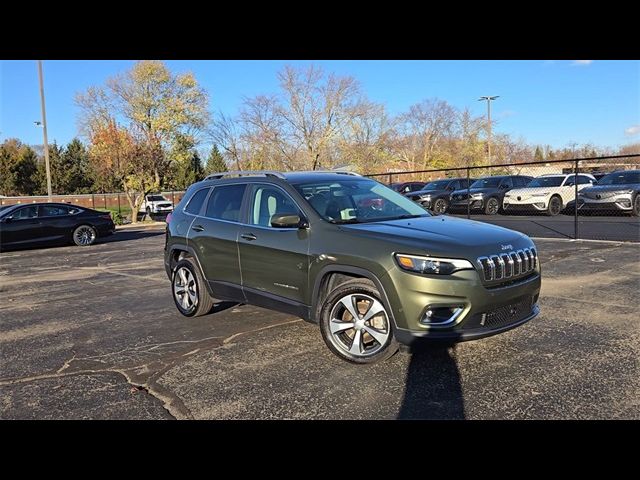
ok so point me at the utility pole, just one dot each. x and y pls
(488, 99)
(44, 131)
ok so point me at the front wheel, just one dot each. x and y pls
(492, 206)
(555, 206)
(440, 207)
(84, 235)
(189, 291)
(355, 324)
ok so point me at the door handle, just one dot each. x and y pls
(197, 228)
(249, 236)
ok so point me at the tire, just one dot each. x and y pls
(440, 206)
(555, 206)
(148, 210)
(369, 349)
(492, 207)
(194, 300)
(84, 235)
(636, 206)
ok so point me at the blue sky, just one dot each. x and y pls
(544, 102)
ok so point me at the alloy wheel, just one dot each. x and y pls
(185, 289)
(84, 235)
(440, 206)
(359, 325)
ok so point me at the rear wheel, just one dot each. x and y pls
(84, 235)
(492, 206)
(555, 206)
(440, 206)
(189, 291)
(355, 324)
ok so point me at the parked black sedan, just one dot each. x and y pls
(435, 195)
(487, 193)
(51, 223)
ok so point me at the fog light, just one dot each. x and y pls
(440, 316)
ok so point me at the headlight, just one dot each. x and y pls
(432, 265)
(625, 192)
(507, 195)
(425, 197)
(543, 194)
(476, 195)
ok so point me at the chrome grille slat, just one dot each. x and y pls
(503, 266)
(508, 265)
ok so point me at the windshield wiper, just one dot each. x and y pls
(343, 222)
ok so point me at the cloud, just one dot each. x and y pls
(633, 130)
(581, 63)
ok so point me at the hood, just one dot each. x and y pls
(475, 190)
(443, 235)
(611, 188)
(436, 191)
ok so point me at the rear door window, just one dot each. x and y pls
(53, 211)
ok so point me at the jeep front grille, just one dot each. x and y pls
(508, 265)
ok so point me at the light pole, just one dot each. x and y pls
(488, 99)
(44, 131)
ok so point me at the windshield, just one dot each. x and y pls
(156, 198)
(620, 178)
(4, 209)
(437, 185)
(358, 201)
(546, 182)
(486, 182)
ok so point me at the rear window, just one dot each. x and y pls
(225, 202)
(54, 211)
(195, 203)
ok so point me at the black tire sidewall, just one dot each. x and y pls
(347, 288)
(635, 210)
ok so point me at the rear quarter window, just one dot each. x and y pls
(194, 205)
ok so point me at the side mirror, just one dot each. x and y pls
(288, 220)
(7, 220)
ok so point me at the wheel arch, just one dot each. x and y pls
(178, 252)
(331, 276)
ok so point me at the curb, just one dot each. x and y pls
(140, 225)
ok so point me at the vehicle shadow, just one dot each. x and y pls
(126, 235)
(222, 305)
(433, 390)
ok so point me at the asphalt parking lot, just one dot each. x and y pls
(93, 333)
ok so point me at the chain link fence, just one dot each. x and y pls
(536, 198)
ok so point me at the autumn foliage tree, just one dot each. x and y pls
(116, 152)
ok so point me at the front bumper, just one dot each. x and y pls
(162, 210)
(474, 204)
(514, 205)
(622, 203)
(487, 310)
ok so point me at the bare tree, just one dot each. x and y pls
(315, 109)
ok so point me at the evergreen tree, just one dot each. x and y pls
(538, 156)
(215, 162)
(75, 176)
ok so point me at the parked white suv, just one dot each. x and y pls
(156, 203)
(547, 193)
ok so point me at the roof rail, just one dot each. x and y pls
(266, 173)
(341, 172)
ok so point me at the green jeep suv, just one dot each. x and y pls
(367, 264)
